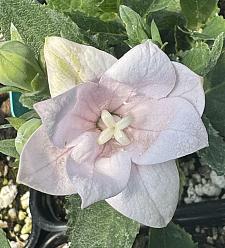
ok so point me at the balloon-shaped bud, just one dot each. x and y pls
(19, 67)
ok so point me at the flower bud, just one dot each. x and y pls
(18, 66)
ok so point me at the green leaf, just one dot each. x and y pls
(174, 6)
(29, 115)
(197, 58)
(7, 89)
(99, 226)
(214, 27)
(201, 59)
(91, 7)
(197, 12)
(7, 147)
(28, 100)
(16, 122)
(35, 22)
(215, 53)
(65, 6)
(15, 163)
(171, 236)
(105, 35)
(217, 75)
(3, 240)
(137, 29)
(15, 34)
(144, 7)
(155, 34)
(214, 155)
(158, 5)
(96, 25)
(167, 23)
(24, 133)
(215, 107)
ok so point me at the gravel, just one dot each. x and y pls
(200, 182)
(15, 217)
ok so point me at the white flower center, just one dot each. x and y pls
(114, 129)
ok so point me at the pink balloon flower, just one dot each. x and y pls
(113, 129)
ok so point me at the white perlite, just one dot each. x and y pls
(208, 189)
(192, 196)
(217, 180)
(14, 244)
(211, 189)
(7, 195)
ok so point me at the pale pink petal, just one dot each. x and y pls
(163, 130)
(189, 85)
(151, 195)
(69, 63)
(57, 115)
(78, 110)
(94, 98)
(95, 176)
(146, 68)
(43, 166)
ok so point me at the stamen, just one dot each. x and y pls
(105, 136)
(114, 129)
(124, 122)
(121, 137)
(107, 118)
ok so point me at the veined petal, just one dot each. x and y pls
(151, 194)
(68, 115)
(189, 85)
(145, 68)
(97, 177)
(61, 122)
(163, 130)
(43, 166)
(69, 63)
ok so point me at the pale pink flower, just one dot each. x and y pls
(117, 135)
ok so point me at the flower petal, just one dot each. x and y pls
(43, 166)
(151, 195)
(163, 130)
(189, 85)
(95, 176)
(68, 115)
(145, 68)
(59, 120)
(69, 63)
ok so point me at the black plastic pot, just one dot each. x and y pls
(206, 215)
(210, 213)
(53, 240)
(34, 236)
(52, 234)
(43, 212)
